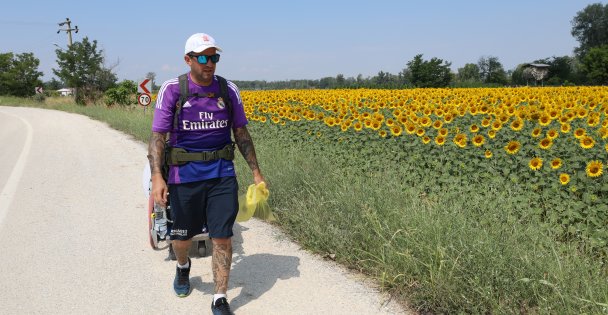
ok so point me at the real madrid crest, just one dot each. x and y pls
(220, 103)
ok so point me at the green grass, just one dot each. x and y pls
(456, 250)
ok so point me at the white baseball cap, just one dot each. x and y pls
(199, 42)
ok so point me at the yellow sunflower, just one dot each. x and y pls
(460, 140)
(552, 134)
(565, 128)
(376, 125)
(478, 140)
(535, 164)
(382, 133)
(581, 113)
(564, 178)
(556, 163)
(425, 121)
(443, 132)
(496, 125)
(513, 147)
(517, 124)
(545, 144)
(440, 140)
(536, 132)
(410, 128)
(448, 118)
(487, 154)
(357, 125)
(587, 142)
(594, 168)
(426, 139)
(579, 133)
(491, 134)
(396, 131)
(437, 124)
(474, 128)
(544, 120)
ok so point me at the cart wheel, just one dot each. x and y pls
(171, 253)
(202, 248)
(153, 237)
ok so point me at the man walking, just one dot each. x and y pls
(201, 181)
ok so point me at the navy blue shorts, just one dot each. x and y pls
(213, 202)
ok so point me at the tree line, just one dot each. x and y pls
(82, 67)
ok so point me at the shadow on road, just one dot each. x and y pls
(255, 274)
(258, 273)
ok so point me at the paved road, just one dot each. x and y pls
(74, 236)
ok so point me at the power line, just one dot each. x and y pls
(68, 30)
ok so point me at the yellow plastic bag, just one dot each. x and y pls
(255, 204)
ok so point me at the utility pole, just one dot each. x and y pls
(68, 30)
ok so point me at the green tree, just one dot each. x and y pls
(19, 75)
(53, 84)
(123, 94)
(590, 28)
(381, 79)
(81, 67)
(518, 77)
(327, 83)
(492, 71)
(6, 79)
(469, 73)
(340, 81)
(431, 73)
(595, 65)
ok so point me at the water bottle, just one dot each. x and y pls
(160, 221)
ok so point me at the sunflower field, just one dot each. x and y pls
(483, 200)
(551, 141)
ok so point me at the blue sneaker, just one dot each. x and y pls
(181, 284)
(221, 307)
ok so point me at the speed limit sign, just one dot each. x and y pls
(144, 99)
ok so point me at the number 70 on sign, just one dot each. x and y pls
(144, 99)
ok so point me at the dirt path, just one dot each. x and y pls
(74, 231)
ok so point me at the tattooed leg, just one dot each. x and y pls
(221, 262)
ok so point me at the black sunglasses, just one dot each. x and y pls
(203, 59)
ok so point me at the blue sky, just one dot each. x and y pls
(282, 40)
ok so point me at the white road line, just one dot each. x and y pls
(8, 192)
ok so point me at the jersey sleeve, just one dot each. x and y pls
(165, 106)
(238, 111)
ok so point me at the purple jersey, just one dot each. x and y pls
(203, 125)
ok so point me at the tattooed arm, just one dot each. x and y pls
(156, 149)
(245, 144)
